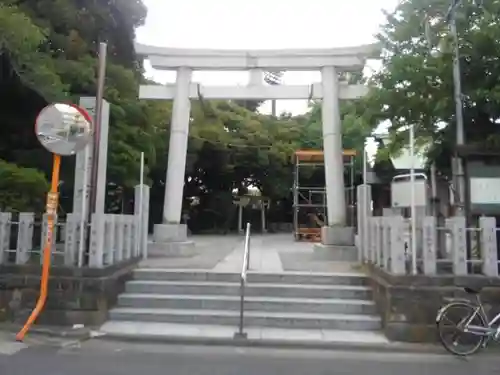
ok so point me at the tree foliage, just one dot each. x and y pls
(21, 189)
(49, 53)
(415, 85)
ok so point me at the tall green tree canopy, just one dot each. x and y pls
(415, 85)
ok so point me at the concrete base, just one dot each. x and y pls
(170, 233)
(184, 249)
(335, 253)
(170, 240)
(339, 236)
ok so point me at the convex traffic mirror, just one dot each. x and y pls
(63, 129)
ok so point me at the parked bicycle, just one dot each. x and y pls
(471, 329)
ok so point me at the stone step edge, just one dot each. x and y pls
(248, 285)
(250, 272)
(308, 344)
(248, 314)
(263, 299)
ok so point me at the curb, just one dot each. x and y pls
(393, 347)
(79, 334)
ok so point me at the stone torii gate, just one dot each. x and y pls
(184, 61)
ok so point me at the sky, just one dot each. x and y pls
(260, 24)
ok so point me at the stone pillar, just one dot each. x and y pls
(364, 212)
(170, 237)
(5, 225)
(332, 145)
(24, 237)
(45, 233)
(96, 251)
(83, 163)
(459, 254)
(179, 131)
(377, 239)
(397, 263)
(102, 167)
(336, 233)
(71, 239)
(429, 239)
(489, 246)
(386, 242)
(143, 227)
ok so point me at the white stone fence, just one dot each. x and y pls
(385, 241)
(113, 238)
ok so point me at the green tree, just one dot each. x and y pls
(415, 85)
(21, 189)
(48, 51)
(355, 129)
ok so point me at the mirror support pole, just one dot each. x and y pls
(52, 204)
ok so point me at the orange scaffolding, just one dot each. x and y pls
(309, 202)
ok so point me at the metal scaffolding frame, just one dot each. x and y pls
(309, 203)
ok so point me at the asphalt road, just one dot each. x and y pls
(106, 358)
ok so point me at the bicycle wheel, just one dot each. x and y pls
(450, 323)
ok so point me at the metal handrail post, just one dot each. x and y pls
(248, 245)
(240, 334)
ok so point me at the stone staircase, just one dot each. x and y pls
(288, 301)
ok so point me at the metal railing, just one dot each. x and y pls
(243, 280)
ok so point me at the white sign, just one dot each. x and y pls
(485, 190)
(401, 191)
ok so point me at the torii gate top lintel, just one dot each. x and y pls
(344, 58)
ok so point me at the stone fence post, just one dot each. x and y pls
(386, 242)
(459, 244)
(5, 224)
(397, 262)
(488, 242)
(24, 237)
(371, 243)
(109, 254)
(96, 251)
(45, 232)
(119, 239)
(127, 244)
(430, 242)
(142, 222)
(377, 239)
(72, 239)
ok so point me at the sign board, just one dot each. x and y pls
(485, 190)
(401, 190)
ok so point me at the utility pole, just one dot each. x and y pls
(101, 78)
(458, 167)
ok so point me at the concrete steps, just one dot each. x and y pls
(151, 274)
(298, 301)
(252, 289)
(280, 319)
(175, 333)
(252, 303)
